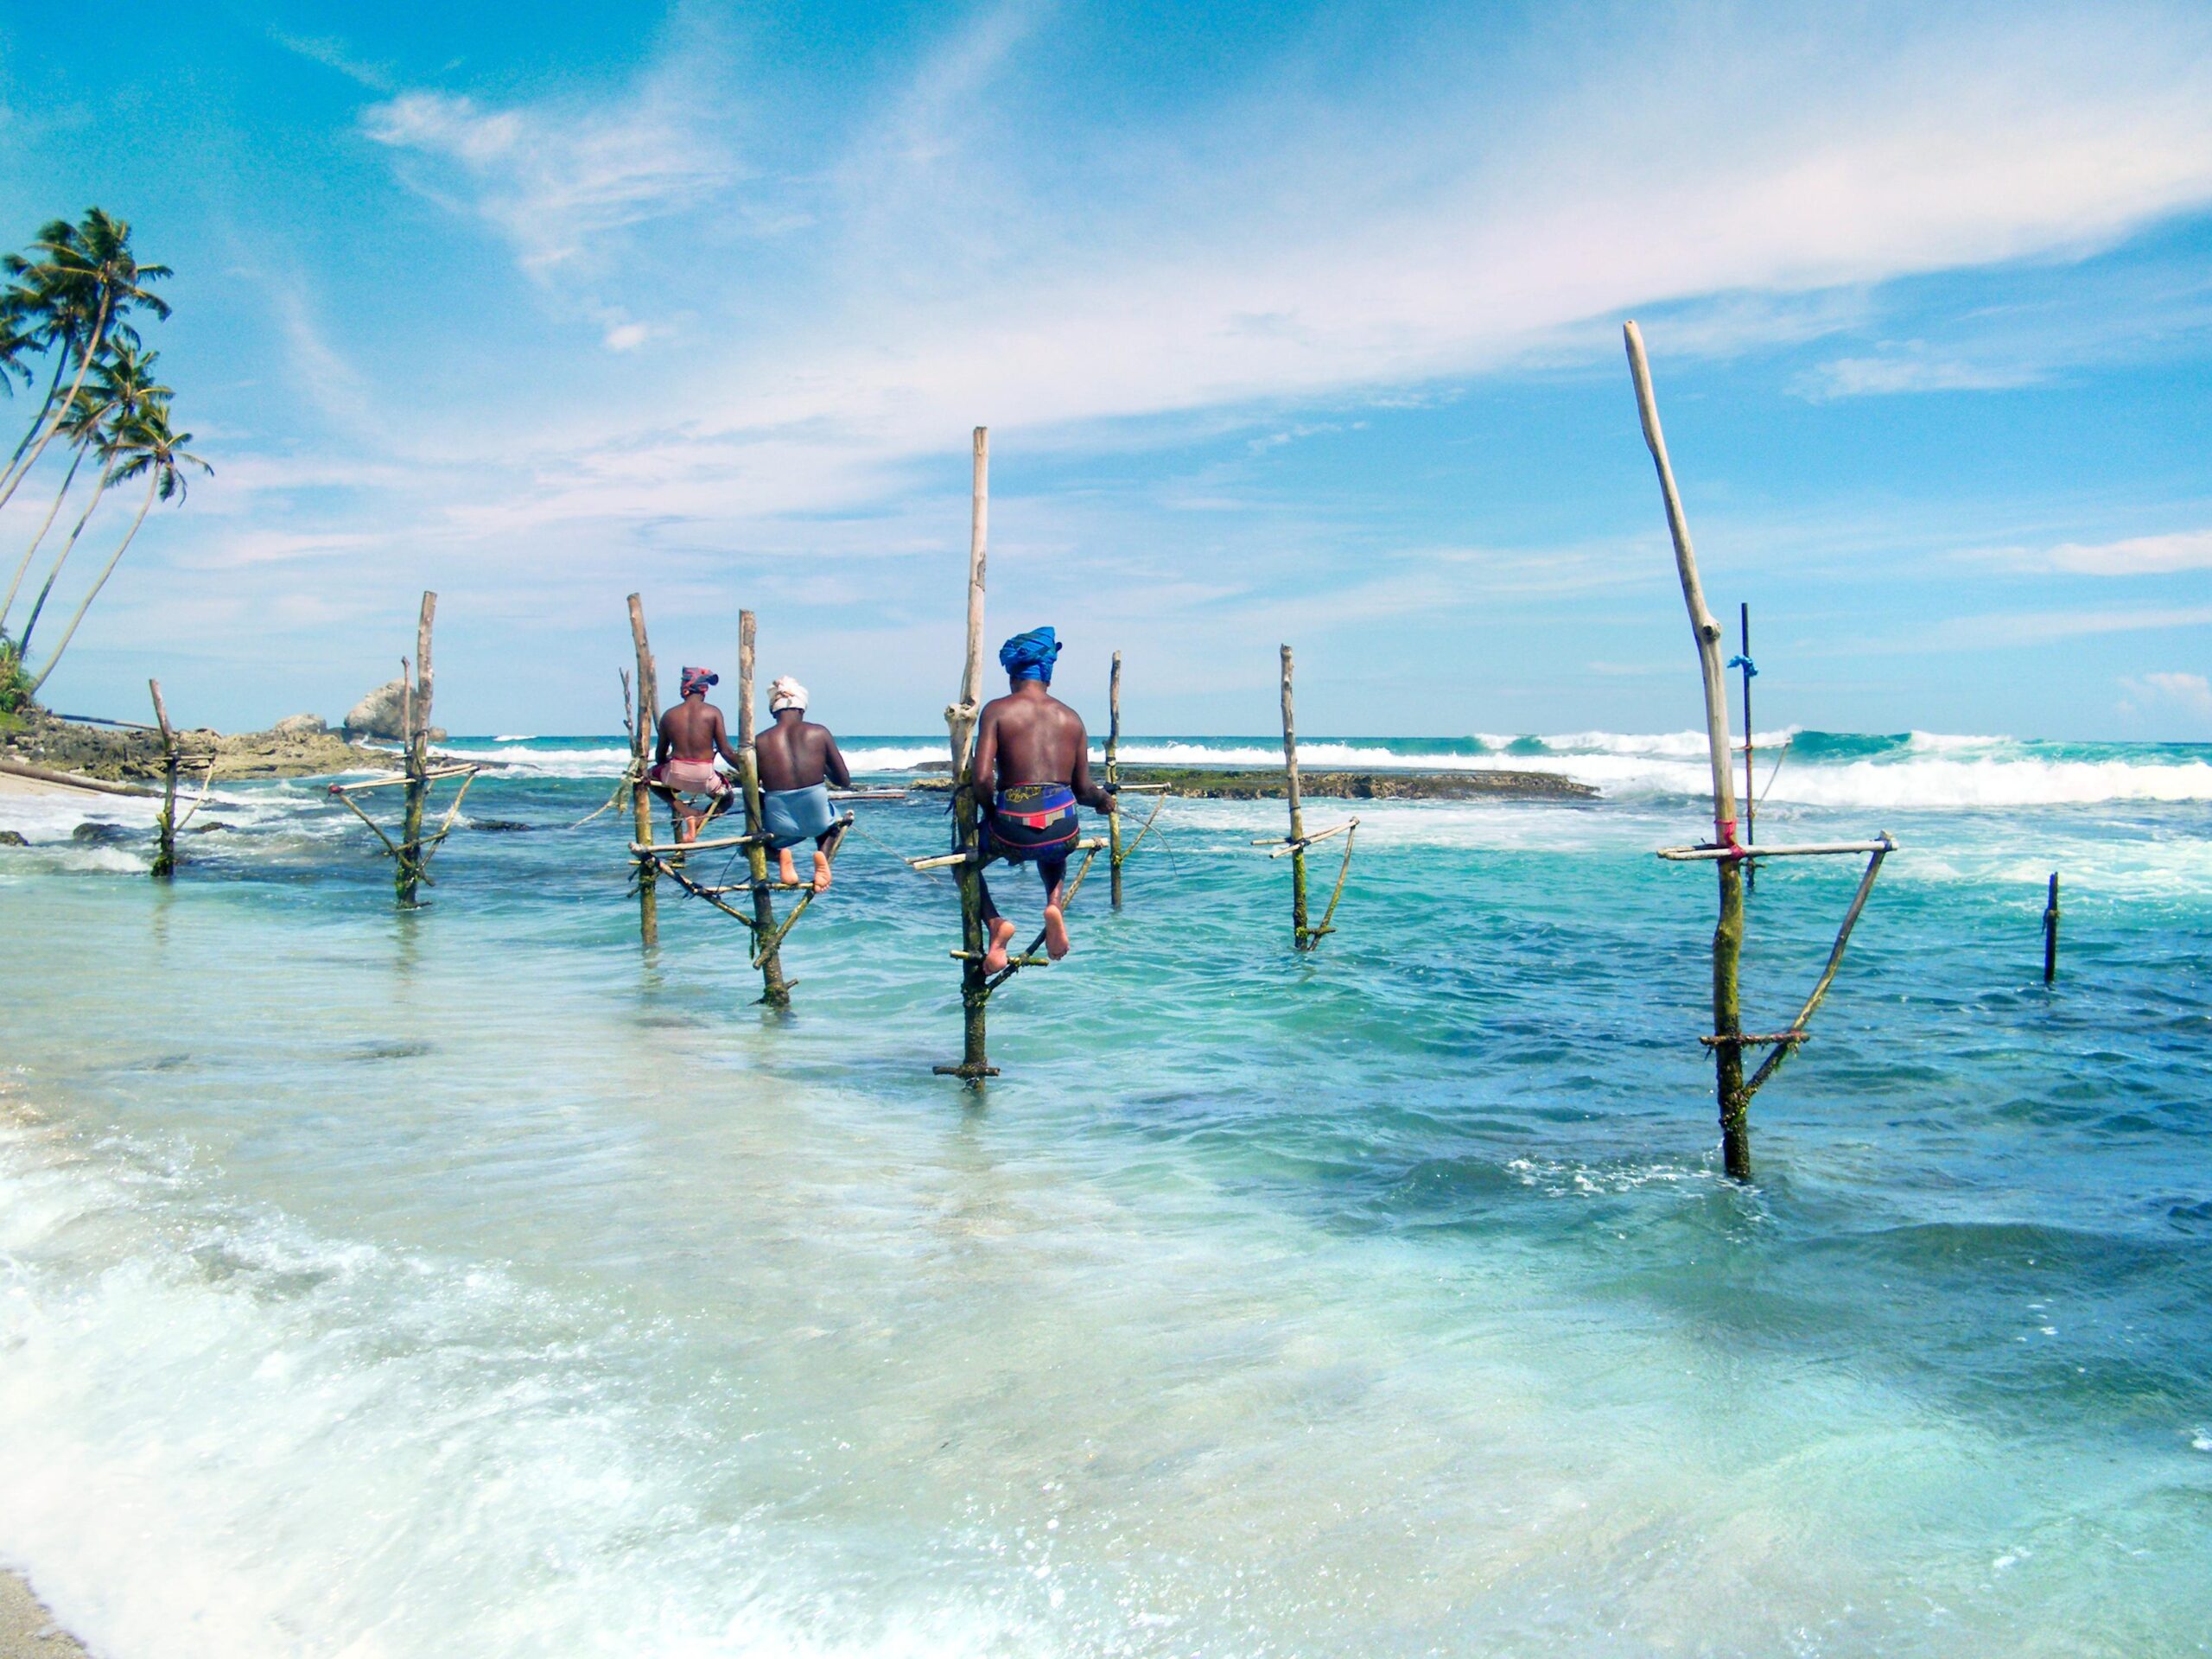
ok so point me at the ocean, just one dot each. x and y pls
(472, 1282)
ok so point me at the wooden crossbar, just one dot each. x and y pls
(662, 848)
(943, 861)
(1822, 849)
(430, 777)
(1293, 846)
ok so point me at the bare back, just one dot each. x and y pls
(693, 730)
(1030, 736)
(796, 754)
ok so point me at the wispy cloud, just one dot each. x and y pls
(1911, 369)
(2190, 693)
(2138, 555)
(2041, 628)
(334, 53)
(555, 181)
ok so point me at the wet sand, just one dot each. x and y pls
(27, 1629)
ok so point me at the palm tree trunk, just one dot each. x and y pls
(53, 386)
(53, 424)
(60, 559)
(28, 552)
(86, 604)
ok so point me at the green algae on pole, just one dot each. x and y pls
(411, 854)
(1303, 936)
(767, 940)
(960, 720)
(165, 826)
(1728, 854)
(641, 800)
(1118, 850)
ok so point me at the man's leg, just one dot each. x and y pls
(996, 928)
(820, 864)
(1054, 872)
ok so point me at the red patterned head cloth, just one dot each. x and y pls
(698, 679)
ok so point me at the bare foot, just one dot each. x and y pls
(689, 831)
(1056, 932)
(1001, 936)
(786, 871)
(822, 872)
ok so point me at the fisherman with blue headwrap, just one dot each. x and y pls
(1033, 755)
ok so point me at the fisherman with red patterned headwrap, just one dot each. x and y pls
(691, 734)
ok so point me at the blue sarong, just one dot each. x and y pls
(791, 816)
(1035, 821)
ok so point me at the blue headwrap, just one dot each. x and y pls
(1029, 656)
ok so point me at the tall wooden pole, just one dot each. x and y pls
(774, 991)
(1112, 774)
(1728, 931)
(1751, 782)
(1299, 933)
(960, 720)
(418, 760)
(2051, 934)
(165, 851)
(642, 728)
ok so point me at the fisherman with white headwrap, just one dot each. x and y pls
(798, 762)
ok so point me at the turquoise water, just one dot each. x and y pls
(469, 1282)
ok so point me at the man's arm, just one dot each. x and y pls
(1079, 782)
(833, 763)
(660, 749)
(986, 770)
(721, 742)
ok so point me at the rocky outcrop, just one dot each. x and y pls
(116, 756)
(299, 726)
(380, 714)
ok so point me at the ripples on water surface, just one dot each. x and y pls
(462, 1283)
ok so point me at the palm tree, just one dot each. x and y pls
(121, 385)
(90, 270)
(15, 345)
(42, 314)
(143, 445)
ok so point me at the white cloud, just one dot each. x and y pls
(1340, 252)
(555, 181)
(2138, 555)
(2191, 693)
(1907, 371)
(2037, 627)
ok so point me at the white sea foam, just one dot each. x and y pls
(1925, 769)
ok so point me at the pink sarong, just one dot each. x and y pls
(690, 777)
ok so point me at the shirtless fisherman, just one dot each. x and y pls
(691, 734)
(798, 762)
(1034, 756)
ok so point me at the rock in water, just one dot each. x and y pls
(12, 838)
(302, 725)
(378, 714)
(100, 834)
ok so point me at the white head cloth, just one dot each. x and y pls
(786, 692)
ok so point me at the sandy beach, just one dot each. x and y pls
(27, 1629)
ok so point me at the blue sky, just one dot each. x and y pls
(1290, 323)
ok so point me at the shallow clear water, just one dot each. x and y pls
(467, 1282)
